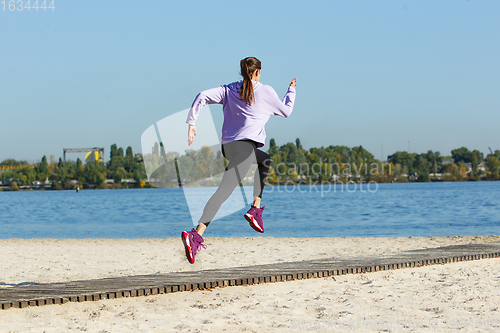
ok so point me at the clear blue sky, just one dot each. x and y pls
(370, 73)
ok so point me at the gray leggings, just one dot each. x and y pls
(241, 155)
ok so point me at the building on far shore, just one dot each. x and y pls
(412, 176)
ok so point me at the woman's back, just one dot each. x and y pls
(243, 121)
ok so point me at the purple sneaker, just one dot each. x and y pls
(192, 242)
(254, 217)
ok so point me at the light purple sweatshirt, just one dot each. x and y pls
(242, 121)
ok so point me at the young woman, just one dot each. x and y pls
(247, 106)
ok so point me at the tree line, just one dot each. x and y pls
(72, 174)
(290, 163)
(462, 164)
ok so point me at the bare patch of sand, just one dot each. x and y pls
(58, 260)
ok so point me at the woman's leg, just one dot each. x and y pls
(254, 214)
(241, 155)
(200, 229)
(263, 163)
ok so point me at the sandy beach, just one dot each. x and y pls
(443, 297)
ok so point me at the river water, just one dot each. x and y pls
(380, 210)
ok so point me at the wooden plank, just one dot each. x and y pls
(132, 286)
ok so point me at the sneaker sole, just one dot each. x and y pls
(187, 246)
(255, 226)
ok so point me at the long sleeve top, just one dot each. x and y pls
(242, 121)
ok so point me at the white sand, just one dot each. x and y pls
(424, 297)
(55, 260)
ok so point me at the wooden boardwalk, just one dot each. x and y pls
(140, 285)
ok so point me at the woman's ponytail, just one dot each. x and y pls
(248, 67)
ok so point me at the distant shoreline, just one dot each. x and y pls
(149, 186)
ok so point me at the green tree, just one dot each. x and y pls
(461, 155)
(61, 175)
(119, 174)
(422, 168)
(79, 169)
(493, 163)
(42, 169)
(403, 158)
(273, 149)
(139, 175)
(436, 161)
(14, 187)
(30, 175)
(479, 155)
(129, 153)
(297, 143)
(474, 161)
(116, 161)
(113, 151)
(13, 162)
(94, 174)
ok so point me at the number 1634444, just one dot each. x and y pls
(19, 5)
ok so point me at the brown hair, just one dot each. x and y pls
(248, 67)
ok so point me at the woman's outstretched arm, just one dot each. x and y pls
(210, 96)
(284, 108)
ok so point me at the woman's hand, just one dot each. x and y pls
(294, 83)
(191, 134)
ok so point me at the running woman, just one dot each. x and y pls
(247, 106)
